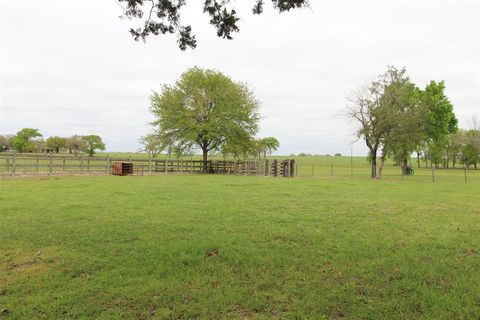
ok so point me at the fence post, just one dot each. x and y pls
(433, 173)
(465, 173)
(88, 165)
(14, 164)
(8, 164)
(166, 166)
(37, 160)
(50, 169)
(107, 164)
(63, 164)
(81, 164)
(149, 163)
(331, 169)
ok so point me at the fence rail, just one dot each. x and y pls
(34, 164)
(21, 164)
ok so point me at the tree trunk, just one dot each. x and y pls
(205, 158)
(382, 161)
(418, 159)
(404, 167)
(374, 165)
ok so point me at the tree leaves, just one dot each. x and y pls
(204, 110)
(164, 17)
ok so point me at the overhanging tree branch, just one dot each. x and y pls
(167, 19)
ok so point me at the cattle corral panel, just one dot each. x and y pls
(122, 168)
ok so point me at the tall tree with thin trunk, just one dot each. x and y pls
(399, 121)
(204, 110)
(440, 120)
(151, 144)
(362, 108)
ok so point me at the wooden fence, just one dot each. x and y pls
(28, 164)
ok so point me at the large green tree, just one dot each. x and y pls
(396, 116)
(23, 141)
(164, 17)
(5, 142)
(471, 148)
(400, 117)
(440, 120)
(56, 143)
(267, 145)
(93, 142)
(204, 110)
(76, 144)
(151, 144)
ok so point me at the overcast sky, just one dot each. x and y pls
(71, 67)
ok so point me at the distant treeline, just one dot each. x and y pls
(30, 140)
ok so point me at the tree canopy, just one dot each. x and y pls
(23, 141)
(164, 17)
(440, 119)
(268, 145)
(151, 144)
(5, 142)
(76, 144)
(204, 110)
(56, 143)
(395, 115)
(93, 142)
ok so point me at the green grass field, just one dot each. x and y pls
(233, 247)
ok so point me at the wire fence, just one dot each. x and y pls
(333, 167)
(390, 172)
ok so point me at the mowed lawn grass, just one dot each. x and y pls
(233, 247)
